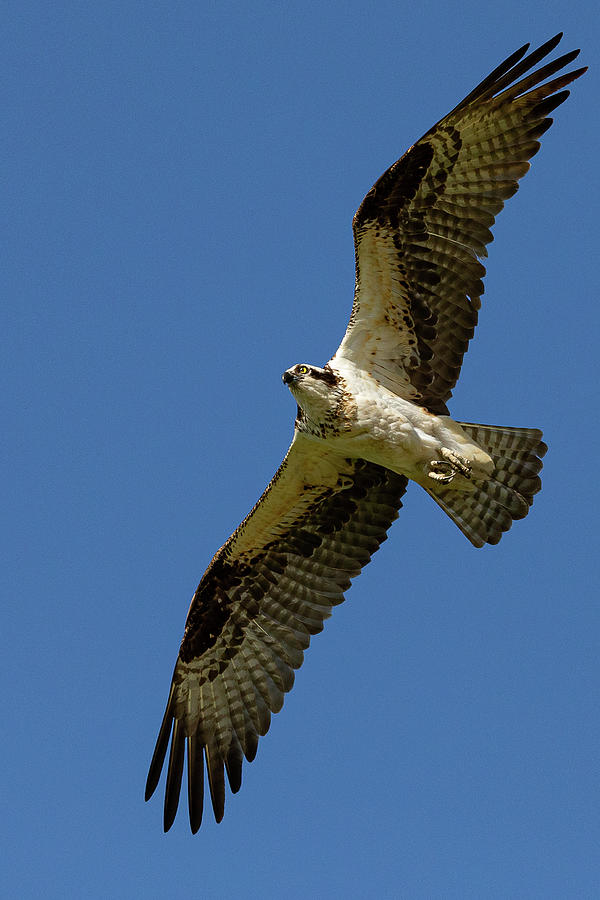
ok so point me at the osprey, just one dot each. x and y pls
(372, 418)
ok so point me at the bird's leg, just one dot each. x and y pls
(443, 470)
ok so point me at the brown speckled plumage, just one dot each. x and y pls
(265, 606)
(422, 228)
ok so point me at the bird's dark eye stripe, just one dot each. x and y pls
(326, 375)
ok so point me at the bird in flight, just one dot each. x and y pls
(371, 419)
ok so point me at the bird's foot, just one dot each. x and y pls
(443, 470)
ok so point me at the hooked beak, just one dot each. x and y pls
(287, 377)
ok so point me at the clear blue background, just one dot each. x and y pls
(178, 186)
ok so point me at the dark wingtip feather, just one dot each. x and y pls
(233, 764)
(251, 746)
(549, 46)
(504, 67)
(174, 774)
(509, 72)
(160, 750)
(536, 55)
(195, 771)
(544, 107)
(216, 781)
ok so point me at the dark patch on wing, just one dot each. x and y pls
(249, 623)
(397, 186)
(210, 607)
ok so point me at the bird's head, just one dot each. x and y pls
(315, 390)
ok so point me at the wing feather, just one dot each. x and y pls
(216, 778)
(174, 773)
(422, 229)
(268, 589)
(195, 771)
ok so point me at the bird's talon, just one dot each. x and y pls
(441, 477)
(443, 470)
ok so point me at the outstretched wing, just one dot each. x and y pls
(420, 230)
(267, 590)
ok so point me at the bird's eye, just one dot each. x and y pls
(302, 370)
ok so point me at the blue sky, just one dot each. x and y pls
(179, 184)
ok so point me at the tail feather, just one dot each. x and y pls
(484, 514)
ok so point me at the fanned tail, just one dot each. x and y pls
(484, 514)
